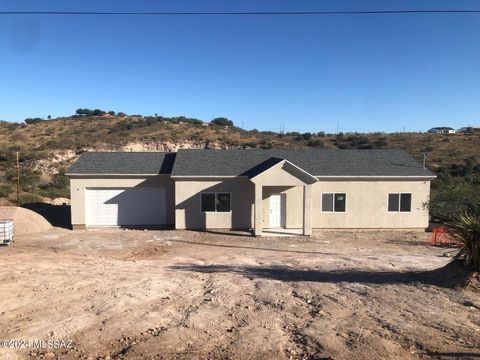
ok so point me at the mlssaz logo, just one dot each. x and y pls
(52, 344)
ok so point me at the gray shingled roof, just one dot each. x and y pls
(318, 162)
(124, 163)
(249, 162)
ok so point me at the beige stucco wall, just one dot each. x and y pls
(293, 205)
(366, 206)
(188, 213)
(78, 184)
(367, 202)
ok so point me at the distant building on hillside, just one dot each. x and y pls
(442, 130)
(468, 130)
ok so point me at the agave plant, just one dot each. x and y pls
(465, 228)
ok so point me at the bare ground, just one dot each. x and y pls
(181, 294)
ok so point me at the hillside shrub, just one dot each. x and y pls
(452, 195)
(315, 143)
(222, 121)
(29, 198)
(33, 120)
(465, 228)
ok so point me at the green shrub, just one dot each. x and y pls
(222, 121)
(84, 112)
(28, 178)
(33, 120)
(315, 143)
(307, 136)
(465, 228)
(6, 190)
(451, 195)
(28, 198)
(53, 193)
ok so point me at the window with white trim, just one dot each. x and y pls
(334, 202)
(215, 202)
(400, 202)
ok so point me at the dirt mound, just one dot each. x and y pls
(146, 253)
(24, 221)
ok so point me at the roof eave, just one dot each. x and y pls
(110, 174)
(431, 177)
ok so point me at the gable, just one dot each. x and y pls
(283, 173)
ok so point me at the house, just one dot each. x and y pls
(441, 130)
(468, 130)
(250, 189)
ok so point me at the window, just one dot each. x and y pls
(208, 202)
(334, 202)
(215, 202)
(400, 202)
(223, 202)
(405, 202)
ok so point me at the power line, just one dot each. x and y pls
(248, 13)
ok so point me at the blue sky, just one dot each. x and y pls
(307, 73)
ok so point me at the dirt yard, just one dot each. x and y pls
(182, 295)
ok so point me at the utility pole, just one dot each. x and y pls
(18, 179)
(424, 160)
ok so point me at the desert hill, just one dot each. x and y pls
(48, 147)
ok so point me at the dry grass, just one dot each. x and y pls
(113, 133)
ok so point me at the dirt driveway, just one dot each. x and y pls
(180, 294)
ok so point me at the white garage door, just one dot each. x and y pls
(125, 207)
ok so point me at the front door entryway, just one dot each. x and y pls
(277, 210)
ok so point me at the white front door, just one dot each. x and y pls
(276, 211)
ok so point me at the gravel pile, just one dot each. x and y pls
(24, 221)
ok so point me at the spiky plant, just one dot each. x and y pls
(465, 228)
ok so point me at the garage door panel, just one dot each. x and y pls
(137, 206)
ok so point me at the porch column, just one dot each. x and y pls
(307, 210)
(258, 212)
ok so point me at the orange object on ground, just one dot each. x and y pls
(440, 236)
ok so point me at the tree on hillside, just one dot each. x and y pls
(307, 136)
(33, 120)
(98, 112)
(111, 113)
(121, 114)
(222, 121)
(84, 112)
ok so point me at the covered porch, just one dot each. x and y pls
(283, 199)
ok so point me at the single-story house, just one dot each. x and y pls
(442, 130)
(250, 189)
(468, 130)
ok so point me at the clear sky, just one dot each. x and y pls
(308, 73)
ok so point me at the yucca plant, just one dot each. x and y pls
(465, 229)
